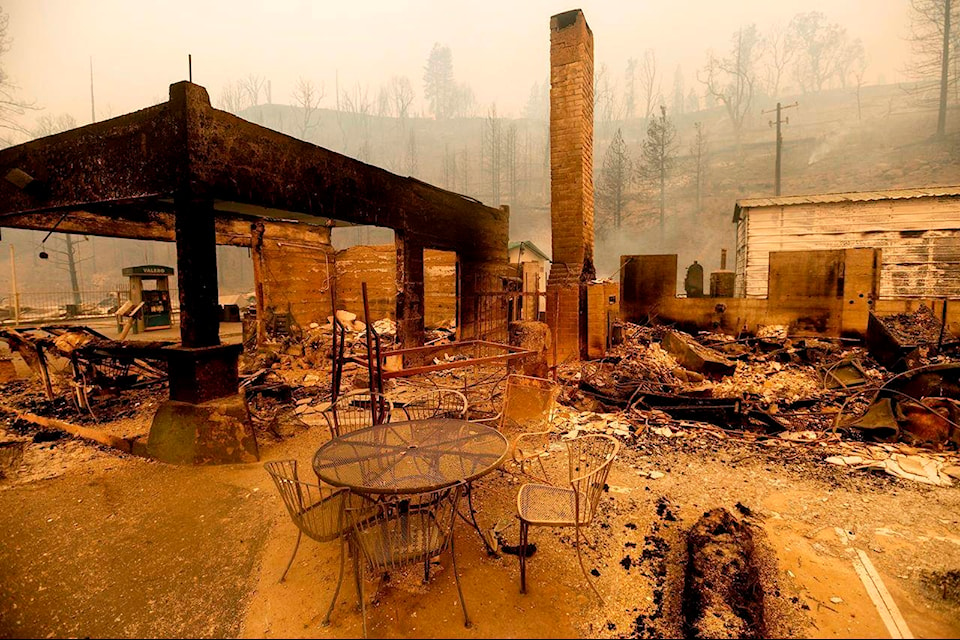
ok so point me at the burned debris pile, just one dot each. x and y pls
(799, 391)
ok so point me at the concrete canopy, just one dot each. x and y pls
(185, 171)
(120, 177)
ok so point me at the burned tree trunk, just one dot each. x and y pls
(723, 597)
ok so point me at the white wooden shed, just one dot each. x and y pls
(917, 231)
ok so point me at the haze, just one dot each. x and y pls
(500, 48)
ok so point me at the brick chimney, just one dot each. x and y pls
(571, 180)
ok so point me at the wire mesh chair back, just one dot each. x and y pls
(528, 404)
(589, 459)
(437, 403)
(407, 529)
(318, 511)
(356, 411)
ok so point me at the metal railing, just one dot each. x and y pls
(54, 306)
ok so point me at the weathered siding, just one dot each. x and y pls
(919, 239)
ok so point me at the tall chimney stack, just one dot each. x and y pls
(571, 181)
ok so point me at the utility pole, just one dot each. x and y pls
(944, 70)
(72, 268)
(16, 291)
(93, 110)
(778, 122)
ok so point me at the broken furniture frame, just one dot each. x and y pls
(96, 362)
(508, 353)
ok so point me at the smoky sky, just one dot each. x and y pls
(500, 47)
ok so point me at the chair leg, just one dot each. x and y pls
(293, 555)
(576, 543)
(523, 556)
(456, 575)
(358, 575)
(426, 569)
(336, 592)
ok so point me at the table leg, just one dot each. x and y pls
(472, 521)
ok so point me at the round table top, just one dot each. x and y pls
(413, 456)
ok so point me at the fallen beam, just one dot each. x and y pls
(86, 433)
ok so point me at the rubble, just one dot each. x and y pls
(695, 356)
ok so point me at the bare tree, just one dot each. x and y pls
(449, 168)
(253, 85)
(11, 105)
(604, 97)
(731, 80)
(538, 103)
(358, 101)
(232, 98)
(510, 163)
(678, 90)
(658, 155)
(848, 60)
(463, 101)
(779, 50)
(412, 159)
(820, 48)
(383, 102)
(649, 86)
(401, 93)
(47, 124)
(858, 71)
(630, 88)
(698, 154)
(934, 36)
(307, 96)
(613, 185)
(492, 154)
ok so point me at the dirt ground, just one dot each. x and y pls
(97, 543)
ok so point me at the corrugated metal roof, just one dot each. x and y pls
(854, 196)
(529, 246)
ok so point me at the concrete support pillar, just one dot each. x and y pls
(205, 421)
(409, 291)
(196, 235)
(571, 181)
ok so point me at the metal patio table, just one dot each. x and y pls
(412, 456)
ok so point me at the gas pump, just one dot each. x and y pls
(150, 305)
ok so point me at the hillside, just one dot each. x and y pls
(827, 148)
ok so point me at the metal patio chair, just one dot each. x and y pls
(403, 530)
(437, 403)
(529, 405)
(543, 505)
(357, 410)
(528, 402)
(318, 511)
